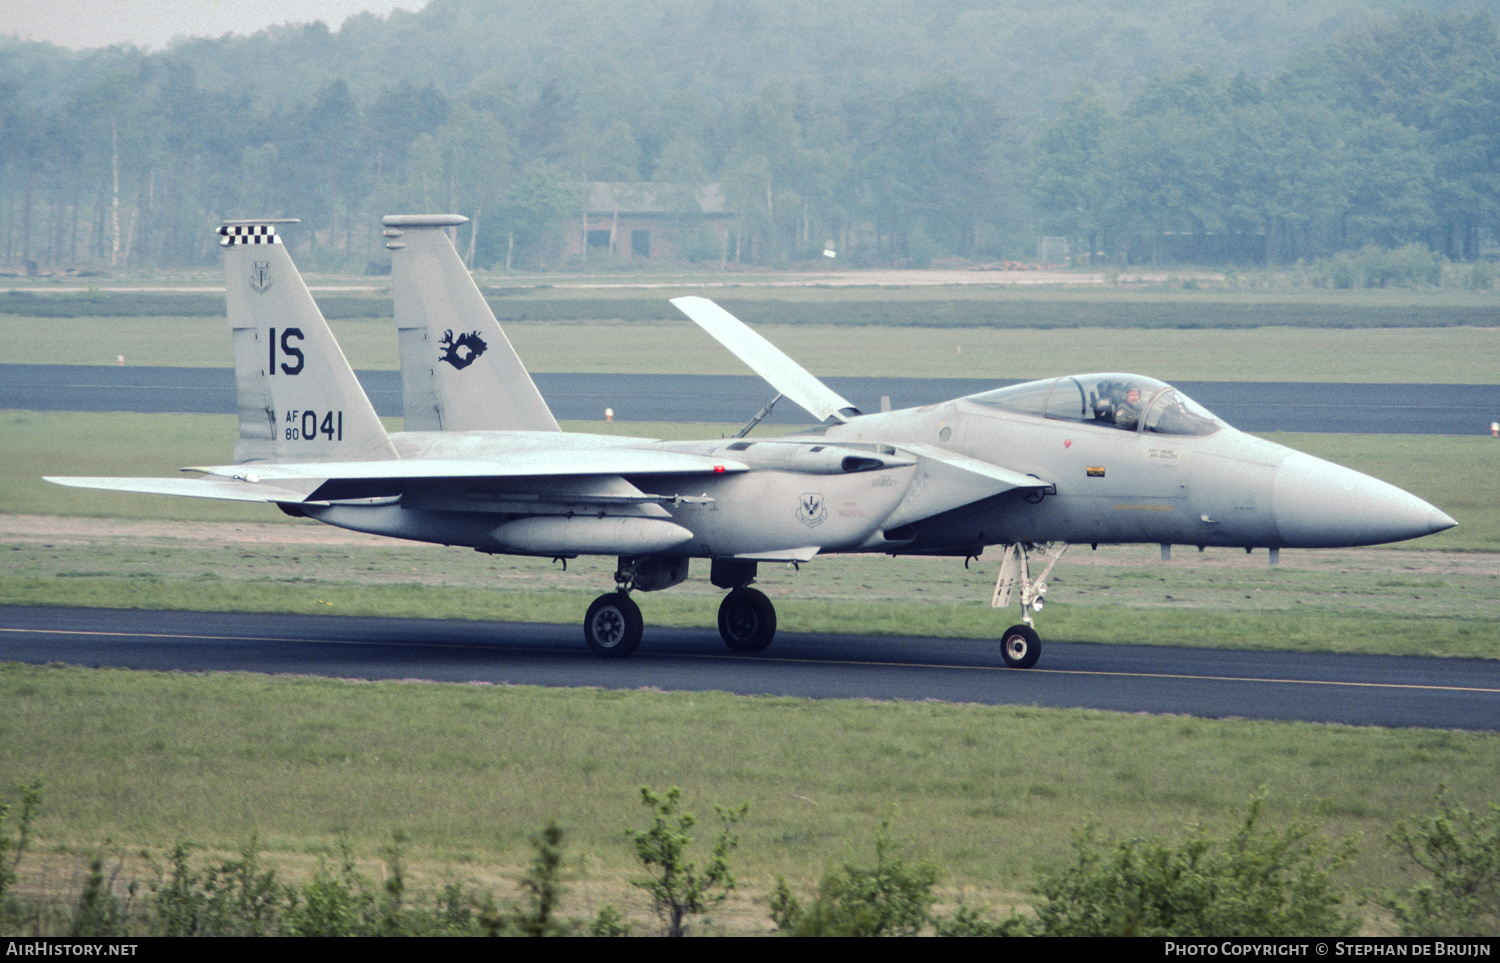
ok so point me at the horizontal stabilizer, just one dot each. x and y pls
(767, 360)
(227, 489)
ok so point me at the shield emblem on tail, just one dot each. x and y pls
(260, 276)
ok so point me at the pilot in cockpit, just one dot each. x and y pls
(1128, 411)
(1119, 404)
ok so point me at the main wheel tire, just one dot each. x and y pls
(747, 620)
(613, 626)
(1020, 646)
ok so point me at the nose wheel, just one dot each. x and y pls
(613, 625)
(1020, 646)
(747, 620)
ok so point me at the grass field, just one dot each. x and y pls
(465, 773)
(1446, 355)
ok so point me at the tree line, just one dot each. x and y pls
(1383, 136)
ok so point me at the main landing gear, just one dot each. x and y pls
(747, 619)
(1020, 646)
(613, 626)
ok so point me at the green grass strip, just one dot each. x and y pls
(467, 772)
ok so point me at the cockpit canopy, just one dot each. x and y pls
(1122, 401)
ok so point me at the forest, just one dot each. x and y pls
(904, 133)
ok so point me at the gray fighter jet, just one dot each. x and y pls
(1030, 468)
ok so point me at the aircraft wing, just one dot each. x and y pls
(227, 489)
(311, 481)
(515, 464)
(767, 360)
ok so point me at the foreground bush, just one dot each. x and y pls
(678, 889)
(1255, 883)
(890, 898)
(238, 897)
(1458, 852)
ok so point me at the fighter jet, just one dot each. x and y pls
(1030, 468)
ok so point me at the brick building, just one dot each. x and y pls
(648, 222)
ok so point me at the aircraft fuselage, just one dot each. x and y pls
(1105, 485)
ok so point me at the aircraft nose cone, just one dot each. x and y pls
(1318, 504)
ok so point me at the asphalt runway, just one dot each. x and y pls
(1422, 409)
(1208, 683)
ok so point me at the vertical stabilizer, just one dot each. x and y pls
(458, 370)
(298, 397)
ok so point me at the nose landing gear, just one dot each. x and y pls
(1020, 646)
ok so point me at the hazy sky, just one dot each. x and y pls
(80, 24)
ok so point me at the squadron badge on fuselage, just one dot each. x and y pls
(810, 509)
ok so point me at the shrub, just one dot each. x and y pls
(1252, 884)
(543, 885)
(1344, 272)
(1458, 850)
(700, 244)
(676, 886)
(12, 848)
(1412, 264)
(235, 898)
(98, 912)
(968, 921)
(889, 898)
(334, 903)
